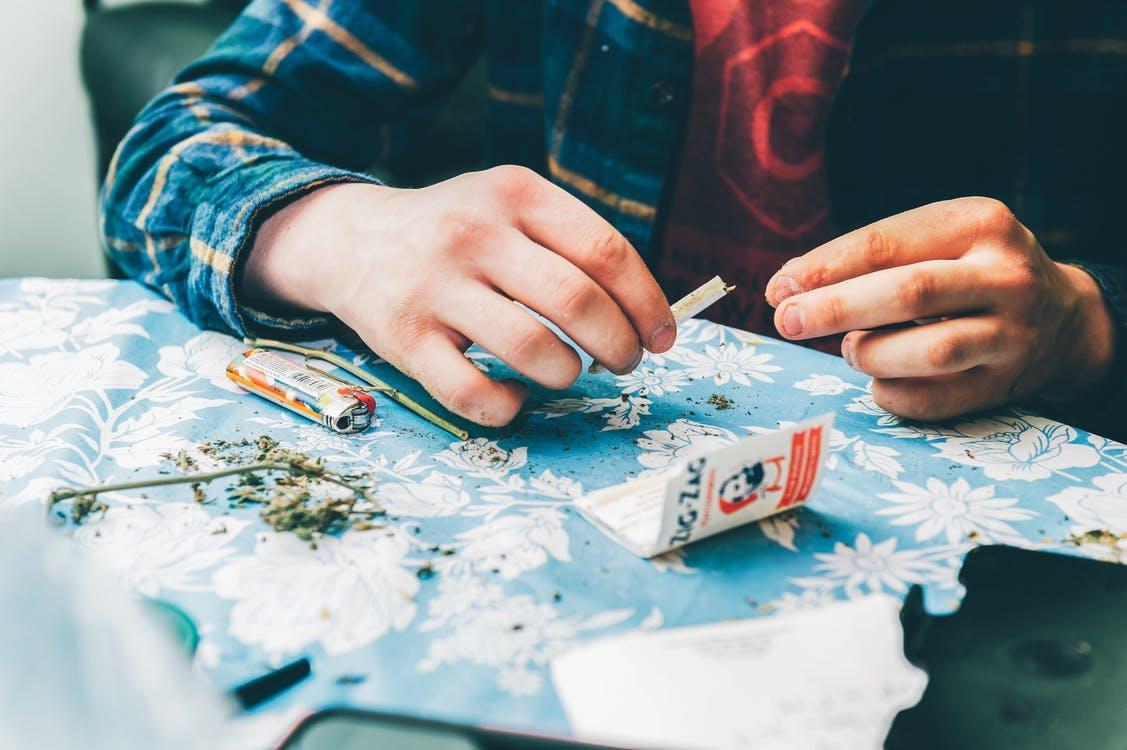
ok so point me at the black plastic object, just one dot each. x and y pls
(1035, 658)
(261, 689)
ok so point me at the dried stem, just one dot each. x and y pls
(206, 476)
(301, 467)
(377, 385)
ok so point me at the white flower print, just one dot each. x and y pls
(865, 405)
(346, 593)
(622, 413)
(672, 561)
(35, 491)
(878, 458)
(681, 441)
(1017, 447)
(482, 458)
(22, 456)
(160, 546)
(550, 485)
(955, 511)
(808, 599)
(204, 356)
(142, 440)
(511, 545)
(30, 330)
(780, 529)
(824, 385)
(869, 566)
(1099, 507)
(44, 384)
(729, 362)
(438, 495)
(515, 635)
(652, 381)
(118, 321)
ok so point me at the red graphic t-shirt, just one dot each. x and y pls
(751, 189)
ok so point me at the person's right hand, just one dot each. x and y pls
(422, 274)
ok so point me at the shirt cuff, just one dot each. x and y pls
(223, 226)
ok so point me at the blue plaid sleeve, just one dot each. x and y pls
(295, 95)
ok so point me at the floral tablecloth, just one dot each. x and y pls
(99, 378)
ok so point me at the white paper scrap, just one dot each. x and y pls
(831, 678)
(718, 490)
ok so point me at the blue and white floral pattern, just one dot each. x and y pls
(483, 572)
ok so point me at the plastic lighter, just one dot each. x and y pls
(332, 403)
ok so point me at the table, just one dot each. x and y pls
(99, 378)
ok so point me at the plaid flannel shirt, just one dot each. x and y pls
(1003, 99)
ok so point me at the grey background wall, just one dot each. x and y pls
(47, 181)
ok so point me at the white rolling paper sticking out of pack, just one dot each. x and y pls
(713, 491)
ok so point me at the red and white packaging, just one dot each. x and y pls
(718, 490)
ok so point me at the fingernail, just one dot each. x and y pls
(783, 287)
(793, 321)
(847, 352)
(662, 338)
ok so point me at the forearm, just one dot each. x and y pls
(259, 121)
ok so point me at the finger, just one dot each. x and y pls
(565, 295)
(564, 224)
(944, 347)
(887, 297)
(498, 325)
(942, 396)
(943, 230)
(434, 359)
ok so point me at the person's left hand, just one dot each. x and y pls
(989, 316)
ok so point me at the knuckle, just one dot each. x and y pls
(1024, 273)
(917, 294)
(465, 396)
(460, 230)
(563, 374)
(407, 326)
(834, 312)
(990, 216)
(610, 252)
(510, 183)
(528, 343)
(573, 296)
(943, 354)
(903, 400)
(877, 250)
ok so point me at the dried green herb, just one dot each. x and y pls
(1099, 536)
(290, 504)
(84, 505)
(720, 401)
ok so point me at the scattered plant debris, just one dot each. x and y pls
(282, 481)
(720, 401)
(1099, 536)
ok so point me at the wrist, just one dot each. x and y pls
(1087, 359)
(288, 269)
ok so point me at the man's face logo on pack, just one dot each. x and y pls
(742, 488)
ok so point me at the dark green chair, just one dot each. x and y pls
(129, 54)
